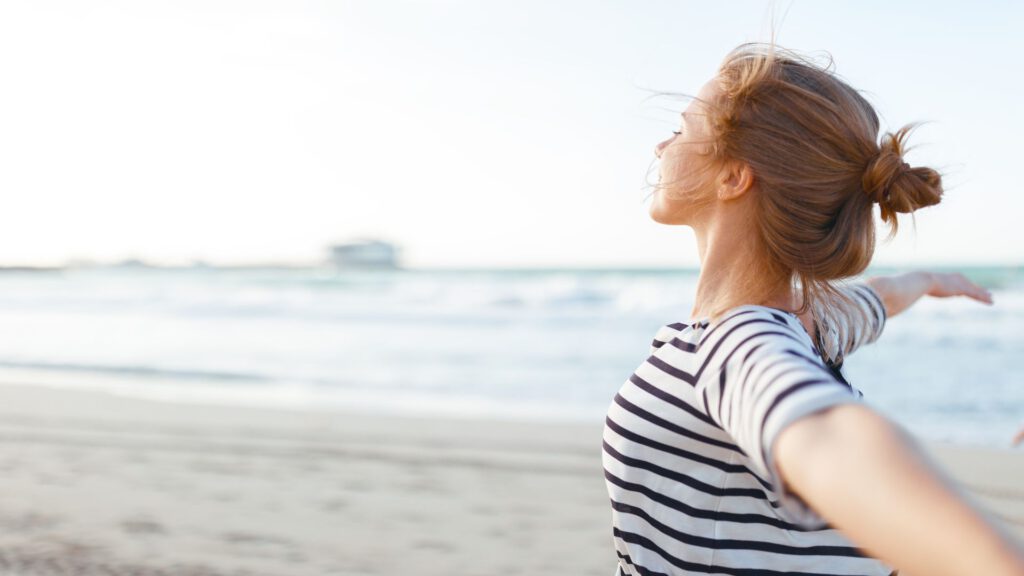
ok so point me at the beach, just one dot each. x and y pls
(100, 484)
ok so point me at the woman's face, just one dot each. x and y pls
(684, 167)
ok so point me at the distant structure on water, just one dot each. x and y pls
(365, 254)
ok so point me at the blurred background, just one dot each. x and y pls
(439, 208)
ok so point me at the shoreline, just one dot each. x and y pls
(97, 482)
(411, 405)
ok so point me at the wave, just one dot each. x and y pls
(140, 371)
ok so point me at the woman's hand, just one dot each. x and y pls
(899, 292)
(956, 284)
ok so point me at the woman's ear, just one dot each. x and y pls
(734, 180)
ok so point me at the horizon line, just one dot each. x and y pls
(327, 265)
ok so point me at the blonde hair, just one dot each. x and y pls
(819, 164)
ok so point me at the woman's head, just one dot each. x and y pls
(818, 164)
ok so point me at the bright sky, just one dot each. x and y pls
(470, 133)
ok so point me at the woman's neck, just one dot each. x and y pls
(733, 272)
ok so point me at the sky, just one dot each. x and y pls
(470, 134)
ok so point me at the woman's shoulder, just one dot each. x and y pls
(849, 323)
(761, 333)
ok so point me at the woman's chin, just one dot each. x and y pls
(662, 218)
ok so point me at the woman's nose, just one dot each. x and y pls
(661, 146)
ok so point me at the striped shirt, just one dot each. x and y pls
(688, 438)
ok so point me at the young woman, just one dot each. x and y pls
(738, 446)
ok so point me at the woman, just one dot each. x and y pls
(737, 446)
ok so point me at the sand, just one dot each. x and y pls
(98, 484)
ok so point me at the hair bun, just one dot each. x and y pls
(896, 186)
(880, 174)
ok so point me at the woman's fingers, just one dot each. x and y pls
(985, 296)
(956, 284)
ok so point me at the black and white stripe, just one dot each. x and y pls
(688, 437)
(844, 330)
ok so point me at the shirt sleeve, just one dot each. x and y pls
(769, 380)
(843, 330)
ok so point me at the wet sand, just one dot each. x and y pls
(98, 484)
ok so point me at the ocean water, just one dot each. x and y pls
(522, 344)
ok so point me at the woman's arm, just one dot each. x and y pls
(899, 292)
(872, 481)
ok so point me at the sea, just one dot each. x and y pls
(521, 344)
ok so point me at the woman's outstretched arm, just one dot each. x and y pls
(871, 480)
(899, 292)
